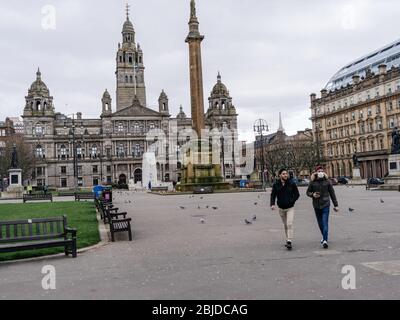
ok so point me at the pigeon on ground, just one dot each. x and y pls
(255, 203)
(254, 218)
(183, 208)
(203, 221)
(247, 221)
(215, 208)
(351, 209)
(207, 207)
(382, 201)
(201, 198)
(198, 207)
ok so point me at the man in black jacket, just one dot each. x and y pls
(287, 194)
(321, 191)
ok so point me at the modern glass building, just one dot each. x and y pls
(388, 55)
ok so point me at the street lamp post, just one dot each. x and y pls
(261, 126)
(75, 162)
(317, 139)
(223, 155)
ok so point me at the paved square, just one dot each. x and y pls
(197, 252)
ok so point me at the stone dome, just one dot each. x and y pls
(128, 27)
(38, 86)
(220, 88)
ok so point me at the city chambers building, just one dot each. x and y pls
(72, 150)
(357, 112)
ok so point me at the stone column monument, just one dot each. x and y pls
(198, 171)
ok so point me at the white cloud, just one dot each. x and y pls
(272, 54)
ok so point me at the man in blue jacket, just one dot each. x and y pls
(287, 194)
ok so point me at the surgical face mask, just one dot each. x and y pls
(321, 175)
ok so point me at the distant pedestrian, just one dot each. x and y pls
(286, 192)
(321, 191)
(149, 186)
(29, 188)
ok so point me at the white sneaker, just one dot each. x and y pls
(325, 244)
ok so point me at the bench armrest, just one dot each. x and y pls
(118, 214)
(113, 209)
(71, 231)
(121, 220)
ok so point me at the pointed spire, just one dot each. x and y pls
(38, 74)
(181, 108)
(280, 123)
(219, 77)
(127, 11)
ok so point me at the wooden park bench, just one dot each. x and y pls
(37, 197)
(37, 234)
(84, 196)
(110, 215)
(118, 224)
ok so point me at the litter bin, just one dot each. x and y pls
(98, 191)
(107, 194)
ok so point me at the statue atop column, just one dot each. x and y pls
(395, 141)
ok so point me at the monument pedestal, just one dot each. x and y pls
(199, 171)
(357, 177)
(15, 189)
(392, 181)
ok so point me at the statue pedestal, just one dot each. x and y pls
(357, 177)
(392, 181)
(199, 171)
(15, 189)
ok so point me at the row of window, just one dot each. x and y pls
(136, 128)
(95, 170)
(364, 146)
(95, 181)
(364, 96)
(364, 127)
(352, 116)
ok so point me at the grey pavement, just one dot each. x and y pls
(176, 256)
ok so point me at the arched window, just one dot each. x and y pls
(94, 151)
(126, 79)
(63, 151)
(131, 79)
(120, 127)
(121, 150)
(38, 106)
(152, 126)
(137, 151)
(39, 130)
(39, 151)
(79, 151)
(136, 128)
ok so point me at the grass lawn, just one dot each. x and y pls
(80, 215)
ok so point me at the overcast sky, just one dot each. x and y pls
(272, 54)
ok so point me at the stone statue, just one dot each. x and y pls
(395, 141)
(355, 161)
(14, 158)
(192, 9)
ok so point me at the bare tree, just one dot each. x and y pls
(26, 159)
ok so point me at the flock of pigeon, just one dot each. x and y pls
(202, 220)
